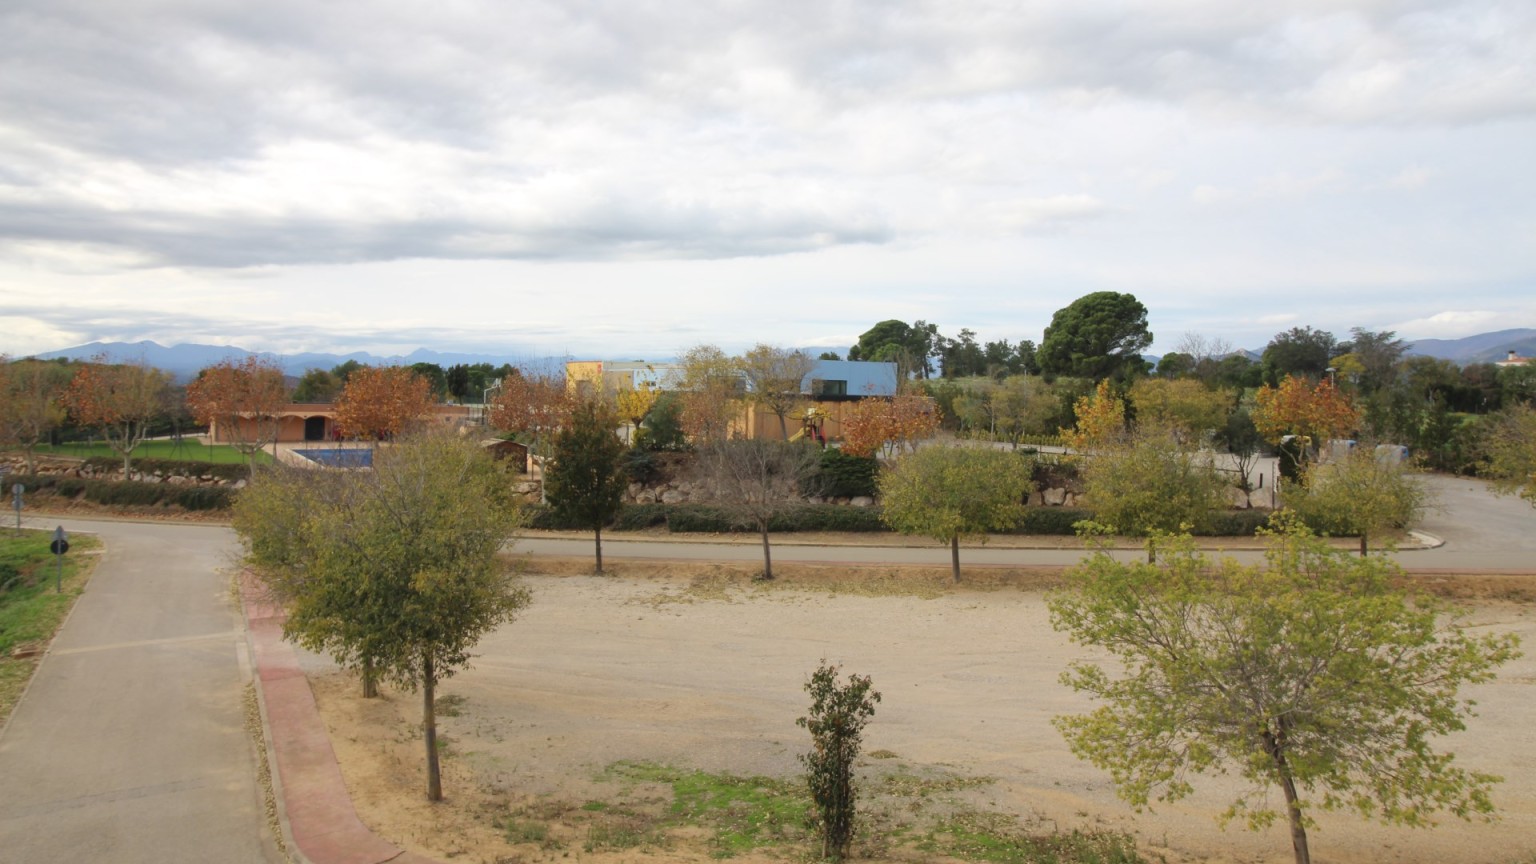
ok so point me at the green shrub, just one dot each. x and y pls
(640, 465)
(1237, 523)
(70, 487)
(638, 517)
(842, 475)
(1051, 521)
(203, 497)
(701, 519)
(124, 493)
(828, 517)
(185, 468)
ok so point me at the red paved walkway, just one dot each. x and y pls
(313, 801)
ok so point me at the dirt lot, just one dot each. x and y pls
(703, 670)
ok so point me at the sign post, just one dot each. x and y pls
(60, 545)
(16, 503)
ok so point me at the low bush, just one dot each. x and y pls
(166, 467)
(1051, 521)
(829, 517)
(1237, 523)
(842, 475)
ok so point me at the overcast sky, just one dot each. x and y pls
(625, 179)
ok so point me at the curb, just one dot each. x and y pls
(319, 823)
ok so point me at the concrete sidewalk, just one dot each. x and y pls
(315, 809)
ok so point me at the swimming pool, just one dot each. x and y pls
(340, 458)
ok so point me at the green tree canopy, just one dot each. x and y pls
(392, 571)
(1151, 481)
(952, 492)
(585, 485)
(1100, 335)
(1360, 494)
(1299, 351)
(1312, 673)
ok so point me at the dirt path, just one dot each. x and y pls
(704, 673)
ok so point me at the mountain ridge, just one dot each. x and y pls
(186, 359)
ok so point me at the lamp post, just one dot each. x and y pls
(1331, 380)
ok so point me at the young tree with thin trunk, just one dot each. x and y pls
(381, 402)
(587, 479)
(392, 571)
(756, 479)
(1152, 481)
(1312, 673)
(836, 723)
(241, 400)
(31, 394)
(119, 399)
(1359, 494)
(952, 492)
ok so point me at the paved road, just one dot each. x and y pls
(129, 746)
(1481, 531)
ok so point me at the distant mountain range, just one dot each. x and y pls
(184, 361)
(1482, 348)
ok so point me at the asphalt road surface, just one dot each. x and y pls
(130, 744)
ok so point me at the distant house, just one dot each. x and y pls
(1514, 360)
(613, 376)
(831, 387)
(316, 421)
(849, 379)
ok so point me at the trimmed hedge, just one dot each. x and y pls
(714, 519)
(120, 493)
(1054, 521)
(163, 467)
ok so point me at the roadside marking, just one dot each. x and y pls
(222, 634)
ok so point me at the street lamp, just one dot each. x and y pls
(1331, 382)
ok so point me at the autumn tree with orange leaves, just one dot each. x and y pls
(119, 399)
(536, 406)
(1299, 407)
(380, 402)
(889, 426)
(240, 400)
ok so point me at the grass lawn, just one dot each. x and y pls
(30, 610)
(187, 451)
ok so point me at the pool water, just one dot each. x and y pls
(339, 458)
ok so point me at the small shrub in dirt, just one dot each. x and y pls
(836, 723)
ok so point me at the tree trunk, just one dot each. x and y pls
(767, 556)
(370, 680)
(597, 538)
(429, 729)
(1292, 800)
(1293, 812)
(1364, 546)
(954, 556)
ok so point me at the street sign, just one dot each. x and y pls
(60, 545)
